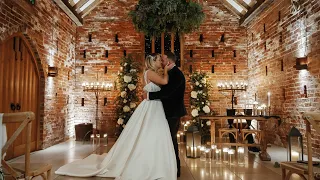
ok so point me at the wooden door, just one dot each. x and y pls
(19, 82)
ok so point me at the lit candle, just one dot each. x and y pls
(231, 154)
(240, 155)
(218, 156)
(294, 156)
(225, 155)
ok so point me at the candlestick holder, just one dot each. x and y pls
(233, 87)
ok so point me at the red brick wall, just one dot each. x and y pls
(44, 24)
(104, 22)
(111, 18)
(287, 86)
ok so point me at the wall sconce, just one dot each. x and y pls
(201, 38)
(52, 71)
(301, 63)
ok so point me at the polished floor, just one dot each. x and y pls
(192, 169)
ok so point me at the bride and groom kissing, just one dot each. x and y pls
(147, 148)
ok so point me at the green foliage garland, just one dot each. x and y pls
(153, 17)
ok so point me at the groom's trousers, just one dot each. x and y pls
(174, 124)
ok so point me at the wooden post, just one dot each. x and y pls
(153, 46)
(27, 153)
(162, 43)
(309, 147)
(182, 51)
(172, 42)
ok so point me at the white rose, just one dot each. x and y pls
(202, 102)
(131, 87)
(194, 94)
(194, 121)
(125, 64)
(126, 109)
(127, 79)
(197, 83)
(132, 105)
(206, 109)
(133, 70)
(208, 123)
(125, 101)
(200, 85)
(203, 80)
(194, 113)
(120, 121)
(123, 94)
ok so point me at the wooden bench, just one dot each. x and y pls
(24, 170)
(311, 118)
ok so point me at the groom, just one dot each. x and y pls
(172, 97)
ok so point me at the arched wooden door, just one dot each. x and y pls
(19, 82)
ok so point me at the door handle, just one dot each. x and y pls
(12, 106)
(18, 106)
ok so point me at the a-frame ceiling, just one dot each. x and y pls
(245, 10)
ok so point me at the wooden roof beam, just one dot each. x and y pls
(67, 8)
(254, 11)
(231, 8)
(243, 4)
(90, 8)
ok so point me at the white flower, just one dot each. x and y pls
(197, 83)
(208, 103)
(132, 105)
(202, 102)
(206, 109)
(194, 94)
(194, 121)
(125, 101)
(194, 113)
(201, 125)
(125, 64)
(131, 87)
(133, 70)
(126, 109)
(203, 80)
(120, 121)
(208, 123)
(123, 94)
(127, 79)
(200, 85)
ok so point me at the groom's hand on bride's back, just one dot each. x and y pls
(144, 96)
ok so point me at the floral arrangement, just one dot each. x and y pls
(200, 103)
(127, 99)
(153, 17)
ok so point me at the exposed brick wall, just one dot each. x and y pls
(111, 18)
(104, 22)
(46, 28)
(218, 21)
(287, 86)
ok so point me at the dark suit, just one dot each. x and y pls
(172, 97)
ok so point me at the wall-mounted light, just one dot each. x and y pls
(201, 38)
(301, 63)
(52, 71)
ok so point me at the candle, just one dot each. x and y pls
(269, 94)
(232, 156)
(294, 156)
(218, 156)
(240, 155)
(202, 154)
(225, 155)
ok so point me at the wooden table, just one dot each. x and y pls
(264, 156)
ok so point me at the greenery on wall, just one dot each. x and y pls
(153, 17)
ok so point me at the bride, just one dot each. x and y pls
(144, 150)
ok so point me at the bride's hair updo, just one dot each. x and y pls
(150, 60)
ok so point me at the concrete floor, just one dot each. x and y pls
(191, 169)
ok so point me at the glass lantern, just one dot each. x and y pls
(295, 145)
(193, 142)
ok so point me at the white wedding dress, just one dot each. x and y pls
(144, 150)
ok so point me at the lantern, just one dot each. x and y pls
(295, 145)
(193, 142)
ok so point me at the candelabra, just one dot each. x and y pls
(97, 88)
(233, 87)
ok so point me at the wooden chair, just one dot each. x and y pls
(25, 170)
(311, 118)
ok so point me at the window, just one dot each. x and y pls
(155, 46)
